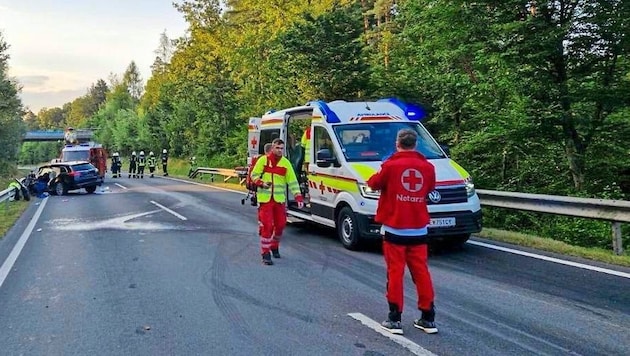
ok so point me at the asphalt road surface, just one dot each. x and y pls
(164, 267)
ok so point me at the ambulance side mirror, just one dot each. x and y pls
(325, 158)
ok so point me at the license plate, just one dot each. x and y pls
(442, 222)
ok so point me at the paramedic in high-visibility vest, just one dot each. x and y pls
(306, 144)
(272, 174)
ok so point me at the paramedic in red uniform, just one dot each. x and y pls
(404, 180)
(272, 174)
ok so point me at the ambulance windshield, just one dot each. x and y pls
(377, 141)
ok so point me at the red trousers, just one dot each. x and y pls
(272, 218)
(414, 256)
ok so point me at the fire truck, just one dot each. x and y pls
(79, 147)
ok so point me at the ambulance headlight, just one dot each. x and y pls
(470, 187)
(368, 193)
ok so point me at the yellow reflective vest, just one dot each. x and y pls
(306, 143)
(280, 176)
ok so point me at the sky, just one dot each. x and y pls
(59, 48)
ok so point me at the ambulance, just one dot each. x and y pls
(336, 147)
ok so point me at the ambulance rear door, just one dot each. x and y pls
(253, 139)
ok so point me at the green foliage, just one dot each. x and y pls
(12, 127)
(530, 97)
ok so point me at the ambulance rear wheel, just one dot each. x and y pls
(348, 229)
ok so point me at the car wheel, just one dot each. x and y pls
(90, 189)
(60, 189)
(348, 229)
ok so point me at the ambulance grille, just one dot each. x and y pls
(450, 195)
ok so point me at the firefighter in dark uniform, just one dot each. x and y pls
(151, 162)
(142, 161)
(116, 165)
(132, 165)
(165, 162)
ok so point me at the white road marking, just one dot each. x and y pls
(552, 259)
(168, 210)
(120, 185)
(401, 340)
(17, 249)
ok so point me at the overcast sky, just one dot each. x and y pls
(59, 48)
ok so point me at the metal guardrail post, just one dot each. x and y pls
(616, 236)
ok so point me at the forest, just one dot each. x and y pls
(530, 96)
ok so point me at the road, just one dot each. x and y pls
(164, 267)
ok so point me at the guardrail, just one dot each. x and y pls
(5, 195)
(614, 211)
(239, 173)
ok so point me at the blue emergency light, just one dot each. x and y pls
(331, 117)
(413, 111)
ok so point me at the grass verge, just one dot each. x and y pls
(10, 211)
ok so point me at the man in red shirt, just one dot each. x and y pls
(405, 179)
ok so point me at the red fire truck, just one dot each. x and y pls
(77, 148)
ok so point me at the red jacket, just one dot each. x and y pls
(405, 180)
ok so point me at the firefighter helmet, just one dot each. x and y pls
(151, 153)
(115, 154)
(164, 150)
(141, 153)
(133, 153)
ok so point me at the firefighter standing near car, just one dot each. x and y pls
(405, 180)
(272, 174)
(165, 162)
(132, 165)
(151, 162)
(116, 165)
(193, 166)
(142, 161)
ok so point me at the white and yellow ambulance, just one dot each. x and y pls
(336, 147)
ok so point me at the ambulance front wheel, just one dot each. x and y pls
(348, 229)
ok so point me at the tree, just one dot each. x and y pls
(133, 81)
(10, 113)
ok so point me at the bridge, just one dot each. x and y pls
(56, 135)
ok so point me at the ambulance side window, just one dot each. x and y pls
(266, 136)
(322, 141)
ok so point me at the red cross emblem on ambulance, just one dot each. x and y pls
(412, 180)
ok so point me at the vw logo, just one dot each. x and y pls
(435, 196)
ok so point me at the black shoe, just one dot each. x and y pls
(426, 326)
(266, 259)
(394, 327)
(275, 253)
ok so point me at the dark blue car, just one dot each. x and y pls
(65, 176)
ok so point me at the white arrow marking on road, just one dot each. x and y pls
(168, 210)
(401, 340)
(17, 249)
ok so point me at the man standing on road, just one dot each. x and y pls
(132, 165)
(271, 174)
(151, 163)
(405, 180)
(164, 162)
(141, 163)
